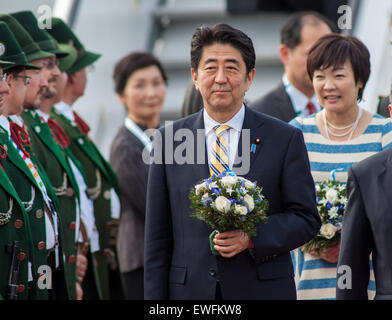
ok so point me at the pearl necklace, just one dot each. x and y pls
(352, 126)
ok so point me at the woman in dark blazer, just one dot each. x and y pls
(140, 84)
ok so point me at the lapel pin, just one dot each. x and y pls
(253, 148)
(257, 140)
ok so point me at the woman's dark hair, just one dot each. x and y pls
(224, 34)
(334, 50)
(129, 64)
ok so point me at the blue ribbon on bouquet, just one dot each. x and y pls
(332, 173)
(228, 173)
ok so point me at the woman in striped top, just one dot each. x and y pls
(339, 136)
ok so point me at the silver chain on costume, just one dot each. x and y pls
(6, 217)
(60, 191)
(94, 192)
(29, 204)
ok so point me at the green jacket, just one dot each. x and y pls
(98, 173)
(29, 193)
(15, 227)
(54, 162)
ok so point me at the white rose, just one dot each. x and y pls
(229, 181)
(331, 195)
(328, 230)
(199, 187)
(222, 204)
(249, 185)
(242, 210)
(249, 202)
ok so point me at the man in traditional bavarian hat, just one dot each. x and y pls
(14, 241)
(48, 150)
(101, 180)
(17, 165)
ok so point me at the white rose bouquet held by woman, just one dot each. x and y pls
(228, 202)
(331, 198)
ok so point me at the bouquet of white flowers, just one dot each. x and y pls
(228, 202)
(331, 198)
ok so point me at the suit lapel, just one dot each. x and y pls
(43, 132)
(18, 161)
(200, 169)
(385, 179)
(249, 144)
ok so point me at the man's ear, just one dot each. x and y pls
(194, 78)
(284, 53)
(71, 78)
(390, 110)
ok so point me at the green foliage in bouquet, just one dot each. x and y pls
(331, 198)
(229, 202)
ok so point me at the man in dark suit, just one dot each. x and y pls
(294, 96)
(367, 229)
(178, 260)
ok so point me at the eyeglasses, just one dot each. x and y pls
(27, 78)
(50, 64)
(3, 77)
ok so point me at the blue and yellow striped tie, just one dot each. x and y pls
(219, 158)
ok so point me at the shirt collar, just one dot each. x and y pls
(298, 99)
(235, 122)
(5, 124)
(43, 115)
(65, 110)
(17, 119)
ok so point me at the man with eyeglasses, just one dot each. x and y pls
(25, 178)
(14, 240)
(49, 147)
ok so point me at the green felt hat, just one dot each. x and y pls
(63, 34)
(30, 23)
(29, 47)
(67, 62)
(11, 51)
(5, 63)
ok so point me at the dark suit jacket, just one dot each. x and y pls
(178, 260)
(132, 172)
(382, 107)
(276, 103)
(367, 227)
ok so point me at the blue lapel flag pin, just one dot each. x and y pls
(253, 146)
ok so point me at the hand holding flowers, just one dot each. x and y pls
(229, 203)
(331, 198)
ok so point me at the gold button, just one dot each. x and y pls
(107, 195)
(70, 192)
(39, 213)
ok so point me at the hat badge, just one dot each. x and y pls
(2, 49)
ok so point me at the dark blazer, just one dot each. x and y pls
(367, 227)
(178, 260)
(276, 103)
(382, 107)
(132, 172)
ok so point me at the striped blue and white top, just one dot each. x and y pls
(315, 278)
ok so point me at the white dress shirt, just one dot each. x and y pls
(299, 100)
(232, 136)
